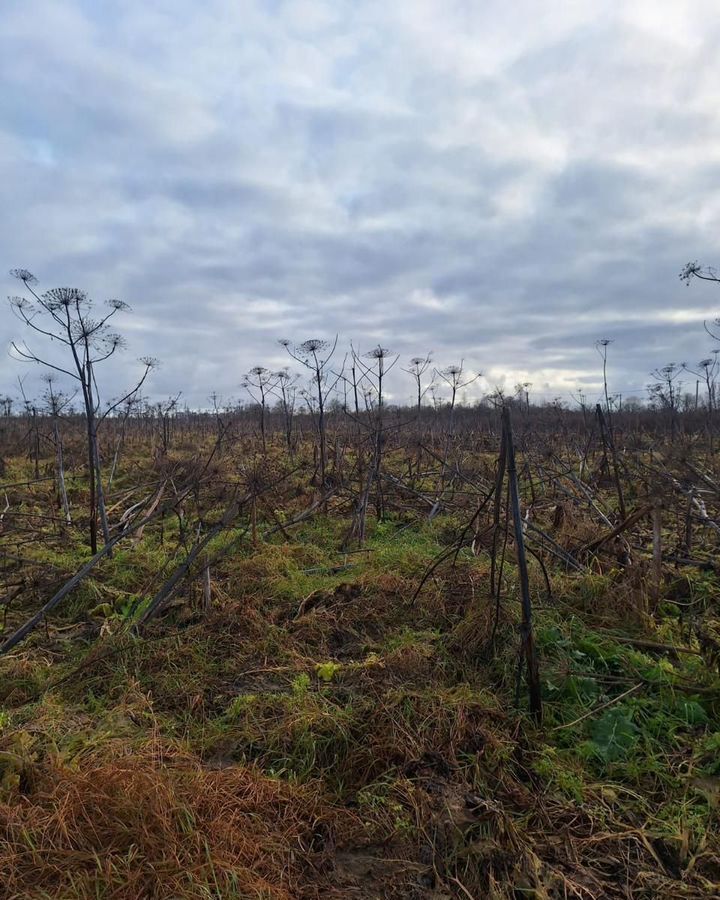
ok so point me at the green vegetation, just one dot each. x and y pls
(322, 726)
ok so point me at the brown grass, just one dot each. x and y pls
(154, 823)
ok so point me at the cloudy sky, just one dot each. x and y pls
(502, 182)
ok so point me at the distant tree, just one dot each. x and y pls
(633, 404)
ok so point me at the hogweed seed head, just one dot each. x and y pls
(24, 275)
(312, 345)
(64, 297)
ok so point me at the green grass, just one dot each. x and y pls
(394, 710)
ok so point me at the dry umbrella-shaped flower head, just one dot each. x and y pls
(313, 345)
(20, 303)
(689, 271)
(64, 297)
(378, 353)
(118, 304)
(112, 342)
(24, 275)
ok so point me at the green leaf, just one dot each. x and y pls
(326, 671)
(613, 735)
(691, 712)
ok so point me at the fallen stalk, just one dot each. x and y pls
(21, 633)
(597, 709)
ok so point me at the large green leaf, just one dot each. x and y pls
(613, 735)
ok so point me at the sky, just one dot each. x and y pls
(498, 183)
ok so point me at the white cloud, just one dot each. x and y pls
(501, 182)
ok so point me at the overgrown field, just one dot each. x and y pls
(314, 709)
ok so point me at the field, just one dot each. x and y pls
(305, 667)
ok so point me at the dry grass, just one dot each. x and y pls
(156, 823)
(318, 732)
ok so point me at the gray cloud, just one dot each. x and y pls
(477, 179)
